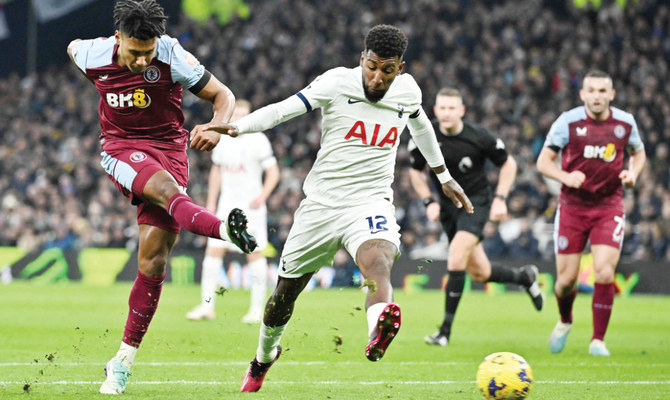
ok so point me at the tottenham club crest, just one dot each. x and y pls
(138, 156)
(152, 74)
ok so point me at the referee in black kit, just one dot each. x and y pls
(465, 147)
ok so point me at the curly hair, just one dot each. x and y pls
(141, 20)
(386, 41)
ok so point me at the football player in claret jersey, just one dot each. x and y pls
(236, 178)
(140, 73)
(348, 192)
(592, 140)
(468, 146)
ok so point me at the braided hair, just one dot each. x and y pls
(143, 20)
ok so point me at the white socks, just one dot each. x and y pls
(211, 268)
(374, 311)
(126, 354)
(268, 340)
(259, 276)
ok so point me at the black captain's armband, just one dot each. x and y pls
(195, 89)
(415, 113)
(555, 148)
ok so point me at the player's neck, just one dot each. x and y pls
(603, 116)
(454, 130)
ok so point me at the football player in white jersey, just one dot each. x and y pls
(348, 190)
(236, 179)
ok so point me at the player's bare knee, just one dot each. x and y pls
(563, 287)
(479, 276)
(153, 267)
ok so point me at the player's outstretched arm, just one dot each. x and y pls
(223, 102)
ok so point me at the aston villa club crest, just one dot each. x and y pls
(138, 156)
(619, 131)
(152, 74)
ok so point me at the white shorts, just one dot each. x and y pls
(257, 225)
(319, 231)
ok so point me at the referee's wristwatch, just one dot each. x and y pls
(501, 196)
(428, 201)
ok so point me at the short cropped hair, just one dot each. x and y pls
(386, 41)
(451, 92)
(596, 73)
(143, 20)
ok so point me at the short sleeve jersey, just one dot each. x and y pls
(144, 106)
(465, 155)
(242, 160)
(360, 139)
(597, 149)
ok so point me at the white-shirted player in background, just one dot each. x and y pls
(348, 190)
(236, 180)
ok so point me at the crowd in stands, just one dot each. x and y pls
(519, 64)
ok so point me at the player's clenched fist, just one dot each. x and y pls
(574, 179)
(628, 178)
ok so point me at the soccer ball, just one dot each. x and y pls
(504, 376)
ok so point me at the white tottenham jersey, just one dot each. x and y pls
(359, 139)
(242, 161)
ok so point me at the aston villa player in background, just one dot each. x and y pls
(140, 73)
(592, 140)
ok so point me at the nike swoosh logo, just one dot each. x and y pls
(350, 101)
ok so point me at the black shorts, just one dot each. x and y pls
(455, 219)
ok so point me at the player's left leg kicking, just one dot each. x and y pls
(312, 234)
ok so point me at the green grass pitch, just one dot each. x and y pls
(55, 340)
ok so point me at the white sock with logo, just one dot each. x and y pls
(374, 311)
(211, 268)
(126, 354)
(268, 340)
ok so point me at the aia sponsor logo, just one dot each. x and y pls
(138, 156)
(377, 138)
(138, 98)
(234, 168)
(152, 74)
(606, 153)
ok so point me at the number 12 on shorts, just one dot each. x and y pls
(377, 224)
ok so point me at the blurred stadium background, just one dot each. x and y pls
(518, 62)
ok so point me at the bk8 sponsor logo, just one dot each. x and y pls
(138, 98)
(607, 153)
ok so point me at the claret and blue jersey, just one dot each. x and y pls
(150, 102)
(597, 147)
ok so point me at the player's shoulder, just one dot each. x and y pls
(573, 115)
(404, 90)
(623, 116)
(408, 84)
(341, 74)
(96, 52)
(164, 48)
